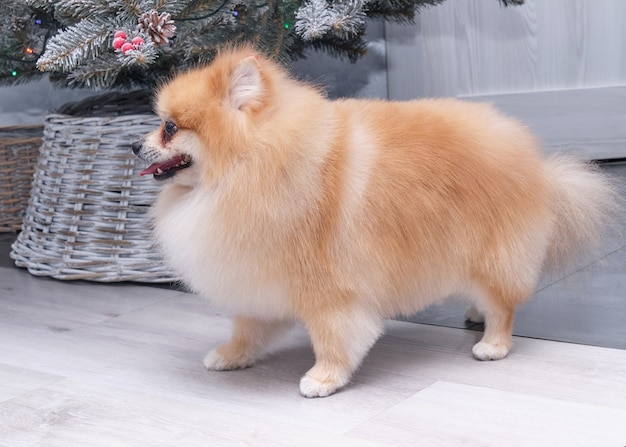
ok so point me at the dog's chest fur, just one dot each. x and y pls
(212, 256)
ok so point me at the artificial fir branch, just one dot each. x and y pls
(202, 43)
(351, 49)
(103, 71)
(75, 10)
(74, 39)
(75, 45)
(314, 19)
(197, 8)
(43, 5)
(349, 19)
(99, 75)
(21, 42)
(26, 76)
(135, 7)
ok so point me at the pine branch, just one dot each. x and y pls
(106, 70)
(194, 8)
(205, 37)
(43, 5)
(343, 19)
(314, 19)
(98, 76)
(75, 45)
(132, 7)
(7, 78)
(73, 39)
(399, 11)
(348, 19)
(75, 10)
(352, 49)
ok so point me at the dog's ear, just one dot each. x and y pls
(246, 83)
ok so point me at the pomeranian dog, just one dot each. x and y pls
(280, 206)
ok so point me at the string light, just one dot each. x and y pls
(38, 21)
(29, 50)
(14, 73)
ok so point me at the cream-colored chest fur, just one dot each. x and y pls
(212, 257)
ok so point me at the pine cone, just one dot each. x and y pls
(159, 28)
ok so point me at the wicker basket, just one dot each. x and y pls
(87, 216)
(19, 146)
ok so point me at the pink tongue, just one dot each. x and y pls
(163, 166)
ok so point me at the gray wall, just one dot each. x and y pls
(26, 104)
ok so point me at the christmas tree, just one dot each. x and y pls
(137, 43)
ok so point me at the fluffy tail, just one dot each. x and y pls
(588, 205)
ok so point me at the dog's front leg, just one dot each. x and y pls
(249, 343)
(341, 339)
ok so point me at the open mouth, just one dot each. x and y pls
(167, 169)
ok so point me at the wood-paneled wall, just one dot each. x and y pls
(477, 47)
(560, 65)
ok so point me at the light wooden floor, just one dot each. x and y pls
(120, 365)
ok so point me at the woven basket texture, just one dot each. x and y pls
(87, 218)
(19, 146)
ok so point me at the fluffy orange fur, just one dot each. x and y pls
(339, 214)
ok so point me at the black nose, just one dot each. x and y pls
(137, 146)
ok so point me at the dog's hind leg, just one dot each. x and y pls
(249, 342)
(507, 278)
(473, 315)
(496, 304)
(498, 338)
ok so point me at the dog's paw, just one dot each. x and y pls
(489, 351)
(321, 381)
(214, 361)
(310, 387)
(472, 314)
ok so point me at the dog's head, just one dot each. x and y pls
(208, 117)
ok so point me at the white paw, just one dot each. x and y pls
(214, 361)
(472, 314)
(310, 387)
(488, 351)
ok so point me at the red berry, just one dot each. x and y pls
(121, 34)
(118, 42)
(138, 41)
(127, 47)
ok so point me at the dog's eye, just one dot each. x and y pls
(170, 128)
